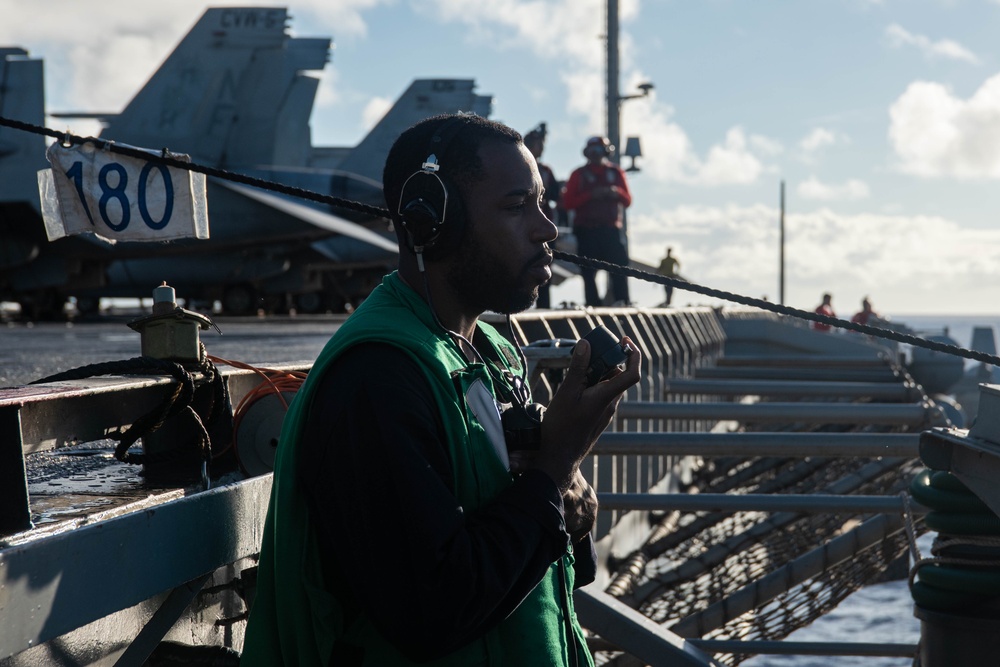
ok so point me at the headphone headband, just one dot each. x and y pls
(444, 136)
(431, 165)
(424, 209)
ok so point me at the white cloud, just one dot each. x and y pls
(730, 162)
(818, 139)
(936, 134)
(902, 262)
(564, 32)
(551, 29)
(328, 93)
(945, 48)
(89, 74)
(97, 58)
(376, 108)
(849, 190)
(669, 157)
(812, 146)
(768, 146)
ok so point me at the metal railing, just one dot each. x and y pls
(670, 418)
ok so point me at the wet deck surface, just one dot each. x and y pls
(74, 482)
(30, 352)
(71, 483)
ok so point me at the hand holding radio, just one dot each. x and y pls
(584, 403)
(607, 353)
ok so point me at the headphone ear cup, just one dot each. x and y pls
(422, 210)
(421, 222)
(432, 215)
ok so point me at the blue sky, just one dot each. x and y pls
(882, 117)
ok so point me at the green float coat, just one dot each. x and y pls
(295, 619)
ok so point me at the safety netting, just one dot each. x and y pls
(695, 573)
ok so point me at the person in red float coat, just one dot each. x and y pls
(824, 308)
(598, 195)
(866, 315)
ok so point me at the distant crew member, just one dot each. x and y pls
(825, 308)
(866, 315)
(669, 267)
(534, 141)
(597, 194)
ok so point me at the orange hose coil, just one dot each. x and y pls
(273, 382)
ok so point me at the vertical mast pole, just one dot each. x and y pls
(613, 98)
(781, 258)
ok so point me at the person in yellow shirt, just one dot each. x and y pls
(669, 267)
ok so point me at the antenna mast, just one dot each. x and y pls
(613, 96)
(781, 255)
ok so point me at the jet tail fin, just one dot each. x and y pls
(22, 97)
(228, 92)
(424, 98)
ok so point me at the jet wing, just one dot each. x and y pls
(320, 219)
(642, 266)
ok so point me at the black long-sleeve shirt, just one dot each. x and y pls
(396, 543)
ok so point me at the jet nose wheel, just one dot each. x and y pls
(309, 302)
(239, 300)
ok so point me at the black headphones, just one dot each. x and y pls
(430, 210)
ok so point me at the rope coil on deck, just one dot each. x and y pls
(178, 403)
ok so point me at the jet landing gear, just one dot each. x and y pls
(240, 300)
(309, 303)
(43, 306)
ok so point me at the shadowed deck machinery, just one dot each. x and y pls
(748, 484)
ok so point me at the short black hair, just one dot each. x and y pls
(537, 134)
(459, 160)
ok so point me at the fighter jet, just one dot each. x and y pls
(236, 94)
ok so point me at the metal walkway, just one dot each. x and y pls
(725, 397)
(774, 394)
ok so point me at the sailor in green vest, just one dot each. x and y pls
(401, 529)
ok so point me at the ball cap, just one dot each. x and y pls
(598, 143)
(536, 134)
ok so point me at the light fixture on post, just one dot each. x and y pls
(614, 114)
(632, 150)
(644, 87)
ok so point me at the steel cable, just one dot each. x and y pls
(166, 159)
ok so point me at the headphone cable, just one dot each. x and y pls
(517, 385)
(454, 336)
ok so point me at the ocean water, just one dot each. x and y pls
(958, 327)
(882, 613)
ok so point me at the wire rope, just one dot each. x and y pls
(166, 159)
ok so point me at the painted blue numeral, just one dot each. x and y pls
(118, 192)
(168, 192)
(75, 173)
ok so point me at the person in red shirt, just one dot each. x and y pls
(824, 308)
(866, 315)
(597, 194)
